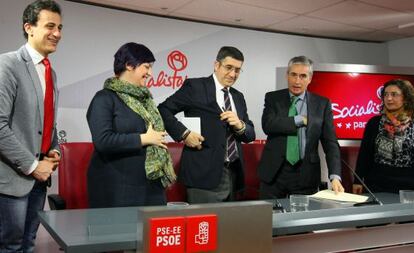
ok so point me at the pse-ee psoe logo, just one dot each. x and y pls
(197, 233)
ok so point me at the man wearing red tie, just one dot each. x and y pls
(28, 141)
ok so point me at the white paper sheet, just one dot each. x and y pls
(342, 196)
(192, 123)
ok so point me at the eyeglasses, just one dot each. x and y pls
(296, 75)
(392, 94)
(230, 68)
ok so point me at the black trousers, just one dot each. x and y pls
(225, 191)
(49, 180)
(285, 183)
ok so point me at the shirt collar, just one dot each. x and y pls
(36, 56)
(218, 85)
(301, 96)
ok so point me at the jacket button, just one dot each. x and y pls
(40, 132)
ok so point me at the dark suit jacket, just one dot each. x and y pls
(377, 176)
(366, 166)
(116, 174)
(277, 125)
(197, 98)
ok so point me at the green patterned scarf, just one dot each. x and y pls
(158, 163)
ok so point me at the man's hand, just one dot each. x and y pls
(43, 170)
(337, 186)
(53, 157)
(232, 118)
(194, 140)
(357, 189)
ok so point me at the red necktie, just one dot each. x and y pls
(48, 108)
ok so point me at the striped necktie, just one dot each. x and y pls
(231, 141)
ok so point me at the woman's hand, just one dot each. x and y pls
(152, 137)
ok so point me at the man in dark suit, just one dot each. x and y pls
(295, 120)
(212, 161)
(28, 141)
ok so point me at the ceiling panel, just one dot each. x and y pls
(375, 20)
(293, 6)
(229, 12)
(400, 5)
(314, 26)
(159, 5)
(408, 31)
(380, 36)
(363, 15)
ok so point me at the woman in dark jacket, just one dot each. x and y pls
(386, 157)
(131, 164)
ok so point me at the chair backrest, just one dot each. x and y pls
(252, 153)
(75, 162)
(176, 191)
(349, 156)
(72, 173)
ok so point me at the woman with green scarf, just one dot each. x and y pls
(131, 165)
(386, 156)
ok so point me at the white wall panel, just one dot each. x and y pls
(91, 35)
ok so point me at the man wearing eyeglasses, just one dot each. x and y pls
(295, 120)
(212, 161)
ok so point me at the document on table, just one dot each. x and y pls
(342, 196)
(192, 123)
